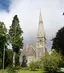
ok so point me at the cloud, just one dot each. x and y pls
(28, 14)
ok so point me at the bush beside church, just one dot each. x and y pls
(50, 63)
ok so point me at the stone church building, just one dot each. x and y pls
(34, 54)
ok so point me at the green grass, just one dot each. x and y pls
(24, 71)
(27, 71)
(1, 71)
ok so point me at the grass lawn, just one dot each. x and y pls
(24, 71)
(3, 71)
(27, 71)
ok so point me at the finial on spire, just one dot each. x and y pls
(40, 10)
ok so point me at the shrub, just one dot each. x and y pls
(0, 63)
(35, 65)
(18, 67)
(51, 63)
(32, 66)
(62, 65)
(38, 64)
(11, 70)
(24, 61)
(25, 68)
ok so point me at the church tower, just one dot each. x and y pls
(41, 40)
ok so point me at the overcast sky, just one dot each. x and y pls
(28, 14)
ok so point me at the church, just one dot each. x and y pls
(31, 53)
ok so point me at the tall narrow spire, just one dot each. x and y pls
(40, 26)
(41, 41)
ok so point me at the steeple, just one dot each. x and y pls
(41, 41)
(41, 27)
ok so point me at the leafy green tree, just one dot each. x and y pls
(3, 44)
(16, 38)
(51, 63)
(58, 41)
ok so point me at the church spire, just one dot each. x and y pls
(40, 26)
(41, 41)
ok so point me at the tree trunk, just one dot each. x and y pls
(3, 56)
(14, 54)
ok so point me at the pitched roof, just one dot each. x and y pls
(29, 51)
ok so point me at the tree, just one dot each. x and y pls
(16, 38)
(58, 41)
(3, 44)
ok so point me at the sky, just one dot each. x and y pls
(28, 14)
(4, 5)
